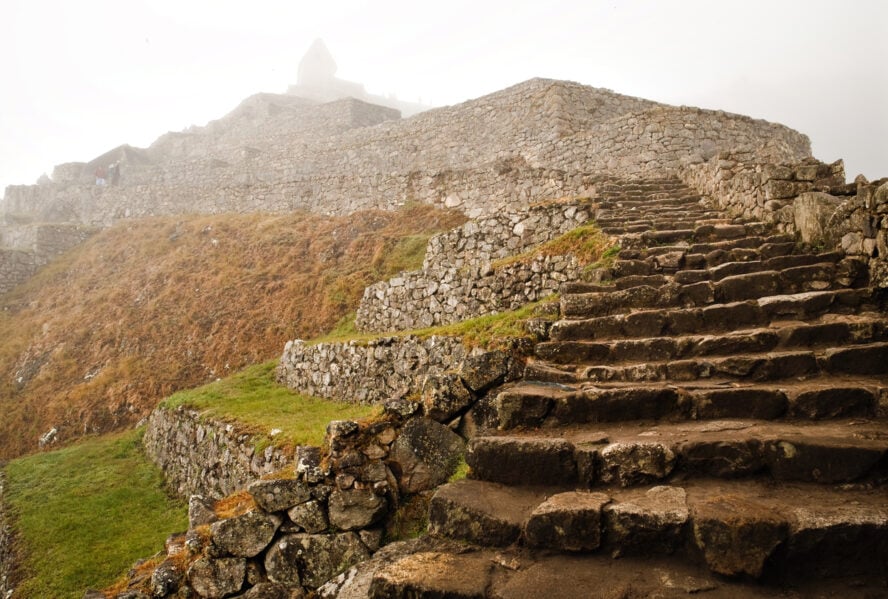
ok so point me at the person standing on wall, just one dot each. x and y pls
(100, 175)
(114, 172)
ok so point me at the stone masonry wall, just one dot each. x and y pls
(26, 248)
(551, 137)
(458, 281)
(372, 372)
(807, 198)
(328, 515)
(206, 457)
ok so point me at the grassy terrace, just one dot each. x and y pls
(258, 404)
(74, 511)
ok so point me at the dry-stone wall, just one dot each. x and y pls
(371, 372)
(536, 140)
(459, 280)
(202, 456)
(806, 198)
(6, 555)
(300, 532)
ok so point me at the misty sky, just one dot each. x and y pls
(79, 78)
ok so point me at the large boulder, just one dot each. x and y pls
(312, 560)
(352, 509)
(245, 535)
(217, 578)
(444, 396)
(276, 495)
(425, 455)
(811, 212)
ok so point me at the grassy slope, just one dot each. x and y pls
(74, 512)
(153, 306)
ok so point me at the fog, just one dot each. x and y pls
(81, 78)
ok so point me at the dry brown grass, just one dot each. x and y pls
(149, 307)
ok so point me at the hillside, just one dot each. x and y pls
(152, 306)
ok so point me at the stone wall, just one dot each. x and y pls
(26, 248)
(206, 457)
(657, 141)
(533, 141)
(330, 512)
(746, 185)
(806, 198)
(458, 280)
(6, 556)
(371, 372)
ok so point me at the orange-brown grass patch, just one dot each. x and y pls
(148, 307)
(236, 504)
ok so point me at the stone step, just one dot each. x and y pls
(757, 368)
(693, 268)
(470, 572)
(779, 336)
(843, 395)
(756, 285)
(638, 453)
(748, 243)
(778, 263)
(718, 318)
(780, 533)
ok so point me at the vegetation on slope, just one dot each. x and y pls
(74, 512)
(153, 306)
(257, 403)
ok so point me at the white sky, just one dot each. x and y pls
(79, 78)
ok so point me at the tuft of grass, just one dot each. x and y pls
(587, 243)
(461, 472)
(87, 512)
(254, 400)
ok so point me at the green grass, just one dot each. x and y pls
(586, 243)
(253, 399)
(86, 513)
(488, 331)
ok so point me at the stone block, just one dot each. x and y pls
(425, 455)
(245, 535)
(567, 522)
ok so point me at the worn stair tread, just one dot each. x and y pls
(767, 288)
(476, 573)
(639, 453)
(815, 398)
(777, 336)
(753, 368)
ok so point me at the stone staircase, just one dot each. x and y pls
(712, 415)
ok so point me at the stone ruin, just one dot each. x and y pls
(709, 407)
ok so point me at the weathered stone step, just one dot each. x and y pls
(744, 243)
(780, 336)
(693, 268)
(735, 288)
(639, 453)
(718, 317)
(780, 533)
(756, 368)
(514, 573)
(531, 404)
